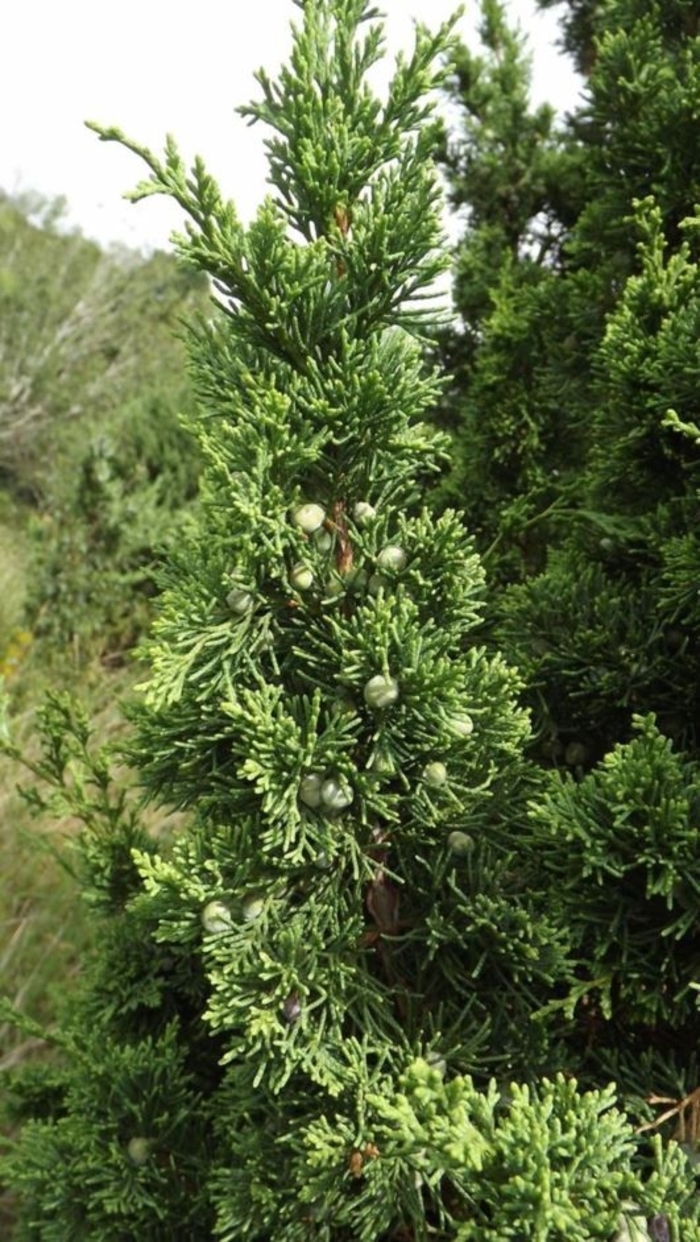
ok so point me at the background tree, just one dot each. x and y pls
(548, 247)
(594, 346)
(93, 459)
(517, 393)
(72, 343)
(576, 343)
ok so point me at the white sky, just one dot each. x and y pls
(153, 66)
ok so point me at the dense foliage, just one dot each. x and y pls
(408, 967)
(574, 406)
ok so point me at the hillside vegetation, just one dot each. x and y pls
(96, 474)
(95, 466)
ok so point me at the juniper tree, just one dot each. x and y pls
(297, 996)
(556, 229)
(597, 346)
(547, 248)
(596, 358)
(607, 636)
(517, 395)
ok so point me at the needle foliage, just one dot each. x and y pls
(333, 1003)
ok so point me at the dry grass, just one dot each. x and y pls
(44, 928)
(35, 905)
(40, 920)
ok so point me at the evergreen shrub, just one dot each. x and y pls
(336, 1002)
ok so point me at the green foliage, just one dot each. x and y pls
(42, 279)
(97, 545)
(517, 176)
(647, 365)
(436, 1157)
(137, 1162)
(577, 484)
(612, 626)
(307, 1002)
(574, 416)
(551, 1164)
(80, 780)
(593, 543)
(579, 23)
(547, 252)
(639, 122)
(622, 846)
(14, 638)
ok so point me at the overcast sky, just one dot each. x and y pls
(153, 66)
